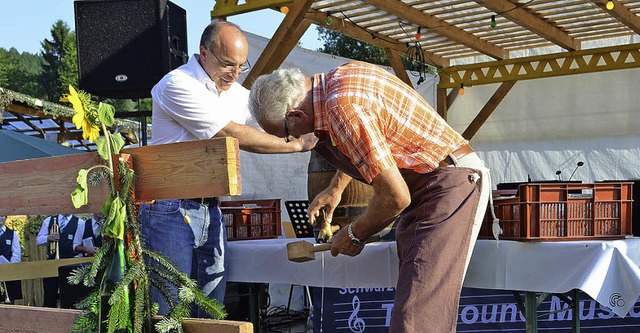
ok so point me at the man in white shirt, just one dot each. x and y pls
(201, 100)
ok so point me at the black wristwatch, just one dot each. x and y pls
(355, 240)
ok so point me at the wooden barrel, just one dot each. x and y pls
(354, 198)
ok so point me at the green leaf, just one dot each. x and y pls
(80, 195)
(106, 207)
(114, 224)
(102, 148)
(106, 114)
(116, 143)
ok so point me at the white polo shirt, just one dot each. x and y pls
(186, 105)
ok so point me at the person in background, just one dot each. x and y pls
(91, 238)
(201, 100)
(9, 253)
(59, 232)
(375, 128)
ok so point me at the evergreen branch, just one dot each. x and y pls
(167, 324)
(162, 288)
(209, 305)
(142, 310)
(119, 311)
(78, 275)
(99, 263)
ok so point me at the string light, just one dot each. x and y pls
(493, 21)
(418, 34)
(610, 5)
(461, 91)
(284, 10)
(329, 20)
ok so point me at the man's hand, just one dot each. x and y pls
(341, 244)
(53, 237)
(90, 251)
(306, 142)
(328, 200)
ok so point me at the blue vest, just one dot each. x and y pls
(88, 232)
(5, 249)
(65, 244)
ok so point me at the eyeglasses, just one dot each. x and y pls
(286, 131)
(232, 68)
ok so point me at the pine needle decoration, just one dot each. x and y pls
(130, 308)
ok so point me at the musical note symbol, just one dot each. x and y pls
(356, 324)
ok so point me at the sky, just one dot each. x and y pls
(25, 23)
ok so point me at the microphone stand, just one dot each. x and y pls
(574, 170)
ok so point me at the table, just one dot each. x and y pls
(607, 271)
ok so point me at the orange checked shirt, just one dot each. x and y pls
(378, 121)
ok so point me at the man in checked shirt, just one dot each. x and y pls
(374, 128)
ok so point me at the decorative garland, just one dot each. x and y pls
(120, 270)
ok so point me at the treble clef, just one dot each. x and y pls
(356, 324)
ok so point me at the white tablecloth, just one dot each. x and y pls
(605, 270)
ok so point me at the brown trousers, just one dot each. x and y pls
(433, 236)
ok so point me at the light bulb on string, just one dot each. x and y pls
(461, 91)
(610, 5)
(493, 21)
(418, 34)
(284, 10)
(329, 20)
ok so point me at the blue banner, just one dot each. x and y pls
(480, 310)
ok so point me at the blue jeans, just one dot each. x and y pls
(197, 248)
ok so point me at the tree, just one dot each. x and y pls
(338, 44)
(60, 61)
(20, 72)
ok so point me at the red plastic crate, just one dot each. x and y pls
(251, 219)
(563, 212)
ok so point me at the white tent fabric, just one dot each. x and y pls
(548, 125)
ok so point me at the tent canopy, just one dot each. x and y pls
(16, 146)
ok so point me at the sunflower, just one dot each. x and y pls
(82, 105)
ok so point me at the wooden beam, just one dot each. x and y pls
(194, 169)
(203, 168)
(224, 8)
(349, 29)
(31, 111)
(521, 17)
(42, 186)
(290, 41)
(419, 18)
(621, 13)
(441, 101)
(397, 65)
(488, 109)
(452, 96)
(550, 65)
(36, 269)
(291, 21)
(30, 319)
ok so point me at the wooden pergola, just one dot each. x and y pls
(488, 36)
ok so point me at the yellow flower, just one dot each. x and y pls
(89, 130)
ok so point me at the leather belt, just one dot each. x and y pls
(211, 202)
(457, 154)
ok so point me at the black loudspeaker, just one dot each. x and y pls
(126, 46)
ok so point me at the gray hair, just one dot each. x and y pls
(211, 33)
(273, 94)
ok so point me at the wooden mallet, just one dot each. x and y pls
(302, 251)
